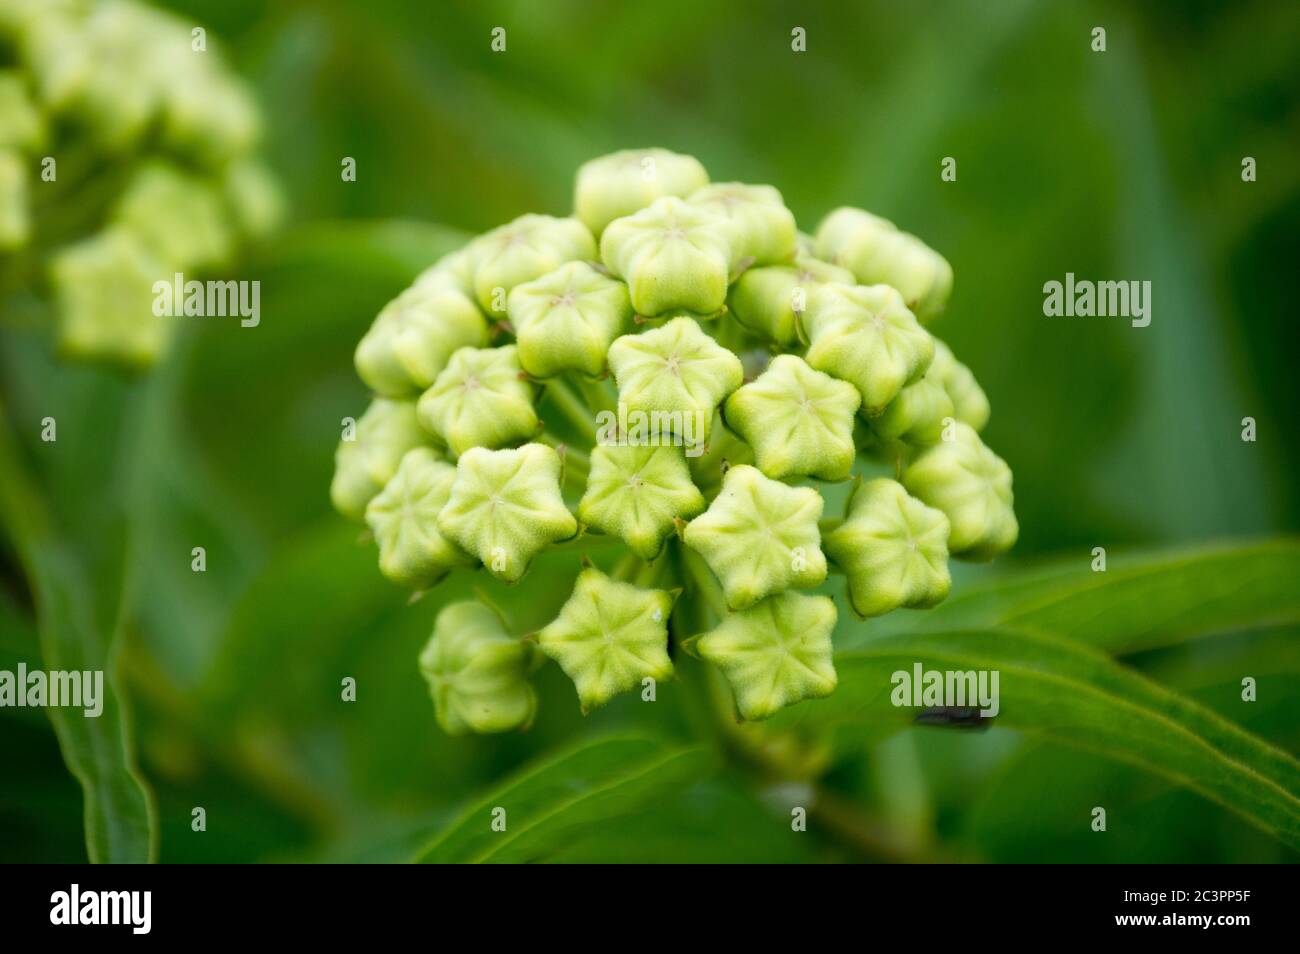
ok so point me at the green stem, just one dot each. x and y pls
(574, 410)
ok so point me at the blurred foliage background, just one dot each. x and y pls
(1117, 165)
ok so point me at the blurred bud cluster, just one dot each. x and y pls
(127, 155)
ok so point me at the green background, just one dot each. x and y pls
(1117, 165)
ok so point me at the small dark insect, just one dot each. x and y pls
(957, 717)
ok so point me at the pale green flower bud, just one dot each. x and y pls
(522, 250)
(404, 521)
(917, 415)
(769, 301)
(875, 251)
(637, 493)
(675, 370)
(455, 267)
(621, 183)
(477, 674)
(865, 335)
(364, 464)
(968, 399)
(759, 536)
(674, 256)
(760, 228)
(481, 399)
(103, 288)
(179, 216)
(799, 421)
(254, 198)
(567, 319)
(210, 116)
(15, 213)
(972, 485)
(806, 245)
(776, 653)
(609, 637)
(22, 125)
(415, 335)
(505, 507)
(892, 548)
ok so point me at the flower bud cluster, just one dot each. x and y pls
(751, 365)
(127, 155)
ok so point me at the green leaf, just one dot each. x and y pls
(120, 815)
(548, 803)
(1137, 603)
(1076, 695)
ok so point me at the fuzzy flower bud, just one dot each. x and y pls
(415, 335)
(477, 674)
(865, 335)
(799, 421)
(609, 636)
(567, 319)
(104, 290)
(968, 399)
(875, 251)
(637, 493)
(675, 370)
(179, 216)
(759, 536)
(916, 416)
(624, 182)
(972, 485)
(505, 507)
(522, 250)
(760, 228)
(364, 464)
(404, 520)
(674, 256)
(768, 301)
(481, 399)
(892, 548)
(776, 653)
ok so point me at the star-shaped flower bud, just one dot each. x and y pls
(892, 548)
(761, 228)
(875, 251)
(968, 399)
(103, 287)
(624, 182)
(567, 319)
(865, 335)
(416, 334)
(478, 674)
(637, 492)
(769, 300)
(505, 507)
(674, 256)
(759, 536)
(481, 399)
(677, 373)
(404, 521)
(799, 421)
(522, 250)
(972, 485)
(776, 653)
(609, 636)
(370, 452)
(178, 216)
(916, 416)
